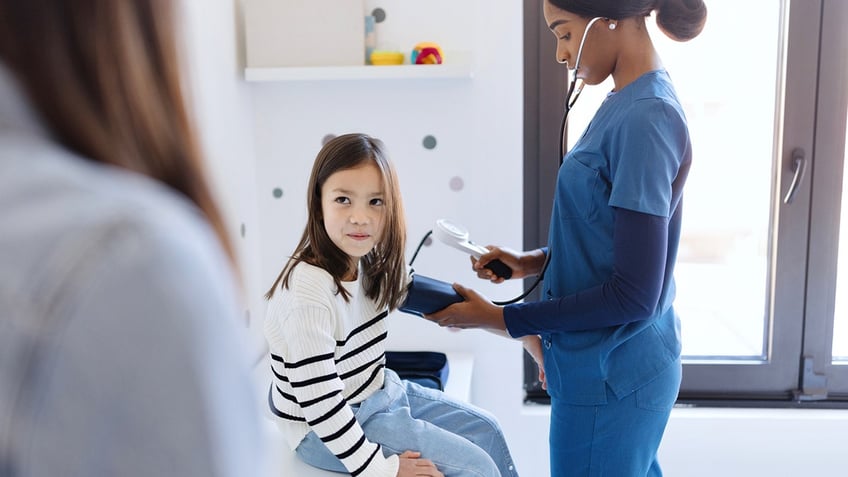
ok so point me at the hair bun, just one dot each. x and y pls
(681, 20)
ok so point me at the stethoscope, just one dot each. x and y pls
(575, 87)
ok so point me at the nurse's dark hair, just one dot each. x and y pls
(681, 20)
(383, 268)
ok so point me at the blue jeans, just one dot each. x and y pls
(619, 438)
(462, 440)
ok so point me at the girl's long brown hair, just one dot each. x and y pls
(383, 267)
(104, 75)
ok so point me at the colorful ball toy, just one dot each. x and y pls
(426, 54)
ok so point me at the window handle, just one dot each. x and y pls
(799, 165)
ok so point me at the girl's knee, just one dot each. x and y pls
(473, 463)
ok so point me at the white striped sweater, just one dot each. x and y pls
(325, 355)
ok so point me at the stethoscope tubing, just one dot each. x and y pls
(570, 98)
(573, 91)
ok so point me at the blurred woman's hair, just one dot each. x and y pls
(104, 76)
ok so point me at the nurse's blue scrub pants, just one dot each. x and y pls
(616, 439)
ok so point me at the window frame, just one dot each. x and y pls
(826, 201)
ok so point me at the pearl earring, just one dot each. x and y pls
(612, 26)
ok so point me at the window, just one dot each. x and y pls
(840, 316)
(757, 270)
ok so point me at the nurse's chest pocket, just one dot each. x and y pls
(581, 191)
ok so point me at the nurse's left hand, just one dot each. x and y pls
(475, 312)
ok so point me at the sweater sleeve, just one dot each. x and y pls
(630, 294)
(318, 389)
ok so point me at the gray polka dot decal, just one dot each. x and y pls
(277, 192)
(429, 142)
(428, 241)
(456, 183)
(379, 15)
(327, 138)
(243, 230)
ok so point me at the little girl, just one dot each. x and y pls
(338, 406)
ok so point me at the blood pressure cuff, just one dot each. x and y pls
(427, 295)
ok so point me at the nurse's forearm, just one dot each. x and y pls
(631, 293)
(533, 260)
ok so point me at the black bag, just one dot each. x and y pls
(427, 368)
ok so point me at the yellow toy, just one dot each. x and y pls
(385, 57)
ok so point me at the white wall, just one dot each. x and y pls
(262, 136)
(222, 107)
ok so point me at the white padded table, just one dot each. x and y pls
(285, 463)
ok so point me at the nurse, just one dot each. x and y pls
(605, 332)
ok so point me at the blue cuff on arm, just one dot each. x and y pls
(640, 247)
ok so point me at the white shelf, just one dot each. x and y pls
(459, 68)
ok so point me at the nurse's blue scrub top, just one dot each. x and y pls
(635, 154)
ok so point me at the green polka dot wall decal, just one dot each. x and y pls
(277, 192)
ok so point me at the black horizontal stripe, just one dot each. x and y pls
(363, 367)
(332, 412)
(279, 413)
(352, 450)
(277, 358)
(377, 371)
(310, 402)
(364, 466)
(315, 380)
(360, 349)
(310, 360)
(340, 432)
(320, 398)
(288, 397)
(363, 327)
(279, 376)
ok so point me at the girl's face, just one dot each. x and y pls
(597, 61)
(353, 208)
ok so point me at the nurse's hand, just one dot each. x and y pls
(475, 312)
(523, 264)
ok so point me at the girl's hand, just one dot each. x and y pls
(523, 264)
(412, 465)
(475, 312)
